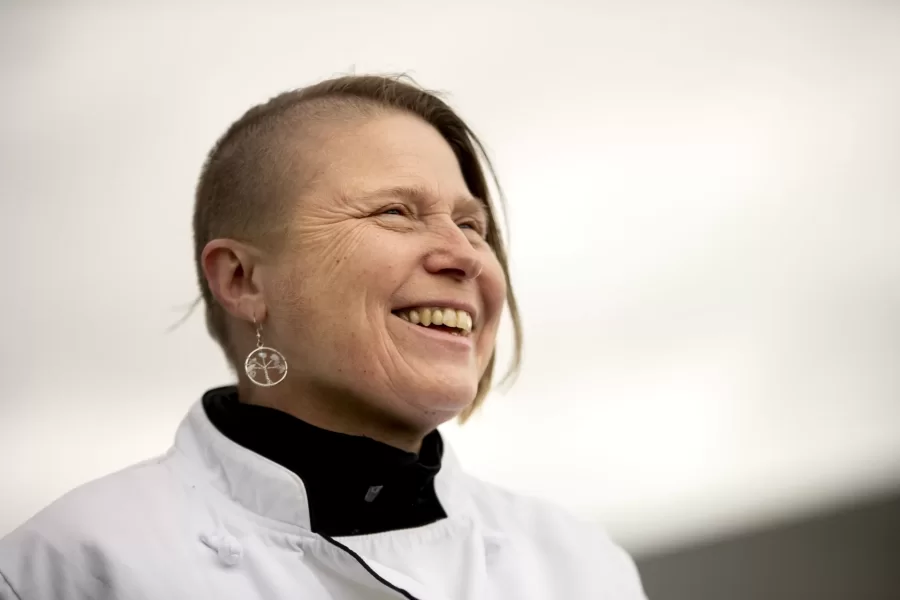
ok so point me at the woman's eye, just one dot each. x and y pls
(473, 226)
(395, 210)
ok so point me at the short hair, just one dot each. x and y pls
(246, 174)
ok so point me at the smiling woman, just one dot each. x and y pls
(359, 184)
(354, 275)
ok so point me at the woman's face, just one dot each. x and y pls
(387, 227)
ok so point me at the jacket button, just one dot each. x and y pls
(230, 550)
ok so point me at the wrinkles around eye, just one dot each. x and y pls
(403, 212)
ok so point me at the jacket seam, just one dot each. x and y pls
(10, 585)
(370, 570)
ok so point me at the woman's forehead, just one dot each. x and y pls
(392, 156)
(392, 144)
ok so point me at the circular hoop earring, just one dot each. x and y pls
(265, 366)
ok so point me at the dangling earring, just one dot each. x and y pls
(265, 366)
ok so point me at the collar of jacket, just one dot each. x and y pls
(271, 491)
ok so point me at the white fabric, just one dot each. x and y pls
(211, 519)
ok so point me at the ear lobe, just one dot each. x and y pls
(230, 270)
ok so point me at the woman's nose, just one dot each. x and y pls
(453, 255)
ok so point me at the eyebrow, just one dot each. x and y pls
(420, 194)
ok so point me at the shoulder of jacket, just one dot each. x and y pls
(99, 504)
(557, 531)
(500, 506)
(72, 537)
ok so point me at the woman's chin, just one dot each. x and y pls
(444, 401)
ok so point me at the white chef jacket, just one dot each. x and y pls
(213, 520)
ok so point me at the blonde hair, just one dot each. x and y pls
(242, 184)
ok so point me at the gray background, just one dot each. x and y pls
(704, 213)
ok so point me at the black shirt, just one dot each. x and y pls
(354, 485)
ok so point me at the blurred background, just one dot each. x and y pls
(704, 205)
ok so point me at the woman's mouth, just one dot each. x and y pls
(448, 320)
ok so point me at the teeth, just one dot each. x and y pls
(448, 317)
(464, 320)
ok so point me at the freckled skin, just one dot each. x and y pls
(350, 259)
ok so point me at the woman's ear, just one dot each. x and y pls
(231, 271)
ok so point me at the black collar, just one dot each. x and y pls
(354, 485)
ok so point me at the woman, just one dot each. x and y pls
(354, 275)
